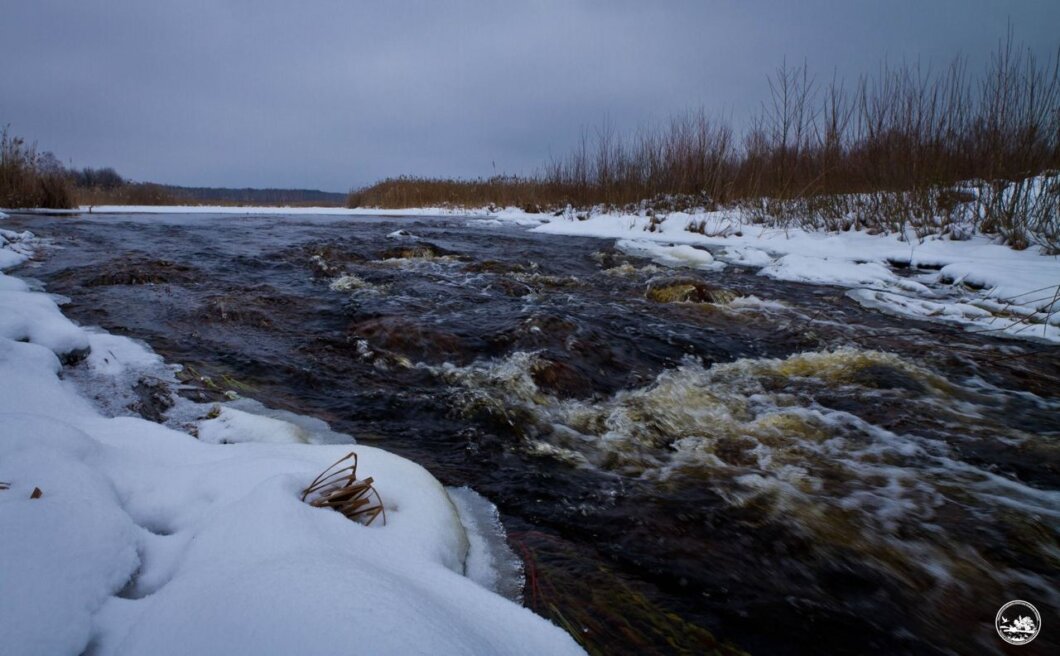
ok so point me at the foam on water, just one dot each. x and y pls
(755, 432)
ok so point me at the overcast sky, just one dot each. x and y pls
(336, 93)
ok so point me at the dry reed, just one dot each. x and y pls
(340, 490)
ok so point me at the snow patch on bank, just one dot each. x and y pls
(143, 539)
(1017, 293)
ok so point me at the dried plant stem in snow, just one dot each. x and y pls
(338, 488)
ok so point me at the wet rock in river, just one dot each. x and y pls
(560, 379)
(687, 290)
(541, 281)
(608, 258)
(327, 260)
(419, 250)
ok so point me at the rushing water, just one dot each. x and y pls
(687, 461)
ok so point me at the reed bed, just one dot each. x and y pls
(29, 178)
(904, 147)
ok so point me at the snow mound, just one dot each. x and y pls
(232, 426)
(65, 553)
(826, 270)
(34, 317)
(671, 255)
(15, 248)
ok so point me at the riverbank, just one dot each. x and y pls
(125, 536)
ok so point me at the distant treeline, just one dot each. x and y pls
(905, 131)
(104, 186)
(250, 196)
(95, 187)
(29, 178)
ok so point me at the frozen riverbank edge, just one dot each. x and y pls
(976, 283)
(144, 539)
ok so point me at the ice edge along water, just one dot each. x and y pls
(148, 540)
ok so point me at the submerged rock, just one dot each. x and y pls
(133, 270)
(687, 290)
(560, 379)
(493, 266)
(415, 341)
(251, 306)
(418, 250)
(326, 260)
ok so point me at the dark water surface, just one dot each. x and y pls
(768, 468)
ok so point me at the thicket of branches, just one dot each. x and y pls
(883, 152)
(29, 178)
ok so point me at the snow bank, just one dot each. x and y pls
(15, 248)
(34, 317)
(145, 540)
(1011, 293)
(680, 255)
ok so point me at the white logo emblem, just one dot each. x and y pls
(1018, 622)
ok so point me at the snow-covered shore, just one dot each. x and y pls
(983, 285)
(146, 540)
(977, 283)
